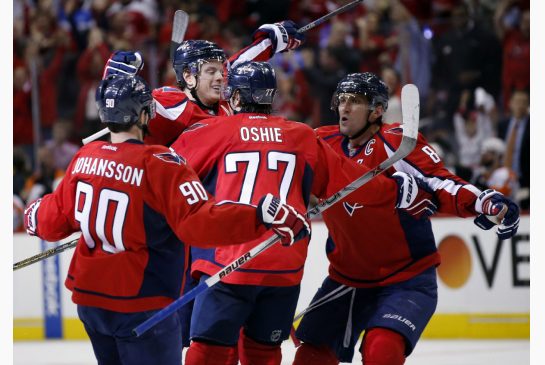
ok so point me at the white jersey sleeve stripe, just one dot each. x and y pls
(251, 53)
(170, 113)
(436, 183)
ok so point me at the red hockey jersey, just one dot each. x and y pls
(175, 111)
(138, 207)
(247, 155)
(374, 246)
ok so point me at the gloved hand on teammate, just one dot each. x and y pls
(283, 219)
(496, 209)
(284, 35)
(30, 217)
(414, 195)
(123, 63)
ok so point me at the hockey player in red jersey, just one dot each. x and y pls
(382, 265)
(138, 208)
(200, 66)
(239, 158)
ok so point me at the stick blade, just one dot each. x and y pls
(410, 109)
(179, 26)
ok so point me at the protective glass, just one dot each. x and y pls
(347, 98)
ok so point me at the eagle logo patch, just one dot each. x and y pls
(350, 209)
(171, 157)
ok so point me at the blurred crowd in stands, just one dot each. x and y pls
(470, 60)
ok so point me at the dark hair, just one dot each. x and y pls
(117, 128)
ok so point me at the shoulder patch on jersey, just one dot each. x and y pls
(171, 157)
(194, 126)
(350, 209)
(396, 130)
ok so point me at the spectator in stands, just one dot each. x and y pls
(414, 57)
(21, 169)
(512, 21)
(46, 49)
(465, 57)
(491, 174)
(77, 17)
(377, 48)
(323, 77)
(45, 179)
(22, 116)
(472, 127)
(89, 70)
(60, 147)
(393, 114)
(515, 131)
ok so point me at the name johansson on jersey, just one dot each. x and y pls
(110, 169)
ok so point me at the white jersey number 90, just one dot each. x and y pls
(193, 191)
(82, 213)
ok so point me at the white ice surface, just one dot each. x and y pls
(429, 352)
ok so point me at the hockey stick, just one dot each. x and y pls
(326, 17)
(179, 26)
(410, 108)
(44, 255)
(410, 104)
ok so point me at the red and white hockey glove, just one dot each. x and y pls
(30, 219)
(414, 195)
(283, 219)
(123, 63)
(496, 209)
(284, 35)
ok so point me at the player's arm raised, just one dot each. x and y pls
(268, 40)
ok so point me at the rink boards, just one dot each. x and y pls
(484, 285)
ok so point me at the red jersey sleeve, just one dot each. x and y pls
(456, 196)
(54, 217)
(259, 50)
(193, 213)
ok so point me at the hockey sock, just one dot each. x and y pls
(252, 352)
(308, 354)
(383, 347)
(200, 353)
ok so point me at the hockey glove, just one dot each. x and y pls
(283, 219)
(30, 220)
(496, 209)
(414, 195)
(123, 63)
(284, 35)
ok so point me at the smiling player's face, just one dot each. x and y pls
(210, 79)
